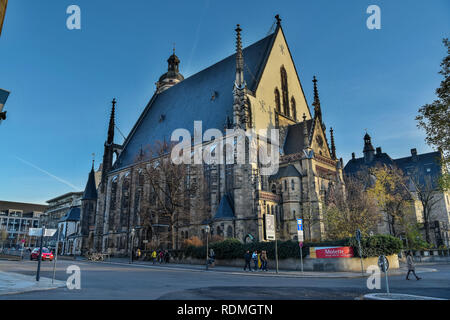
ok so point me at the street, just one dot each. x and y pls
(105, 280)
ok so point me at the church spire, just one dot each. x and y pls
(112, 124)
(172, 76)
(316, 103)
(239, 59)
(333, 147)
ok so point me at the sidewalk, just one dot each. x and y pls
(13, 283)
(240, 271)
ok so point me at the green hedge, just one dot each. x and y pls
(234, 249)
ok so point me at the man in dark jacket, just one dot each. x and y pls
(248, 258)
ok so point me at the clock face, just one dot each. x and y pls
(319, 141)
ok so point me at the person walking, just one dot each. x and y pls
(212, 257)
(255, 259)
(247, 258)
(161, 256)
(264, 260)
(154, 256)
(411, 266)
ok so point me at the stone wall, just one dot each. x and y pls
(326, 265)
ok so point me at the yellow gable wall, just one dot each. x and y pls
(315, 145)
(263, 104)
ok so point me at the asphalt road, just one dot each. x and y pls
(122, 281)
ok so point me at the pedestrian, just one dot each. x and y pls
(161, 256)
(255, 259)
(138, 254)
(212, 257)
(411, 266)
(247, 258)
(166, 256)
(264, 260)
(154, 256)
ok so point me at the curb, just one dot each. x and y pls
(396, 296)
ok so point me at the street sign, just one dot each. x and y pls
(36, 232)
(300, 244)
(300, 230)
(270, 226)
(49, 232)
(383, 263)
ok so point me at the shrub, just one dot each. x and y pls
(193, 241)
(377, 245)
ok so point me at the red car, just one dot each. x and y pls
(46, 254)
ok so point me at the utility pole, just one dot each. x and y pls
(207, 234)
(40, 254)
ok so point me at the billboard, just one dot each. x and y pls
(330, 252)
(3, 4)
(270, 226)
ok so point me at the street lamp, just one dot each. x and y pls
(133, 232)
(207, 235)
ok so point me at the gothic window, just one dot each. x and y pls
(284, 91)
(186, 235)
(112, 205)
(229, 232)
(274, 189)
(285, 185)
(141, 178)
(292, 184)
(152, 195)
(294, 108)
(277, 100)
(218, 231)
(182, 235)
(125, 200)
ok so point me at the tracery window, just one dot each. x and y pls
(284, 91)
(277, 100)
(294, 108)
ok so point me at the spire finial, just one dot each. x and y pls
(333, 147)
(112, 122)
(305, 133)
(239, 58)
(278, 19)
(316, 103)
(93, 160)
(174, 48)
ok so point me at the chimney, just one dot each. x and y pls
(378, 151)
(353, 156)
(414, 154)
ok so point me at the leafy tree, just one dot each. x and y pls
(435, 118)
(349, 210)
(392, 195)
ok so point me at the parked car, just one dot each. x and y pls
(46, 254)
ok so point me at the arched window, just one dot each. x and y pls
(285, 185)
(218, 231)
(284, 91)
(277, 100)
(229, 232)
(112, 204)
(125, 200)
(186, 235)
(272, 211)
(292, 184)
(274, 189)
(141, 178)
(294, 108)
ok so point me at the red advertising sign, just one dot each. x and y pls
(334, 252)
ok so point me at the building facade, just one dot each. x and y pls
(16, 219)
(257, 88)
(423, 172)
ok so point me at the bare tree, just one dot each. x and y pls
(428, 193)
(170, 191)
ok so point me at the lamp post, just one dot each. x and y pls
(133, 232)
(207, 235)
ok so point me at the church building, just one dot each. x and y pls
(256, 88)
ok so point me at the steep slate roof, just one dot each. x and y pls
(421, 163)
(72, 215)
(90, 192)
(294, 137)
(283, 172)
(190, 100)
(358, 164)
(225, 210)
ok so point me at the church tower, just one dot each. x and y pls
(88, 211)
(109, 147)
(172, 76)
(369, 150)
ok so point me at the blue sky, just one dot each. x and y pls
(62, 81)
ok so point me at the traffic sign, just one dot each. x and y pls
(383, 263)
(299, 224)
(49, 232)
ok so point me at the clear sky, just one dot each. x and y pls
(62, 81)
